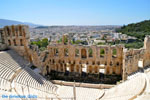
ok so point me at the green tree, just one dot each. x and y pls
(42, 44)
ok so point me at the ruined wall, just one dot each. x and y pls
(130, 61)
(3, 46)
(89, 59)
(133, 56)
(17, 38)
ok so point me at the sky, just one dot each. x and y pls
(76, 12)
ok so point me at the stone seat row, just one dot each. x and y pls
(17, 57)
(5, 84)
(12, 58)
(25, 90)
(5, 72)
(24, 81)
(28, 77)
(126, 90)
(9, 62)
(146, 93)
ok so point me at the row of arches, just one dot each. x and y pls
(84, 54)
(14, 31)
(102, 53)
(13, 42)
(117, 63)
(80, 69)
(1, 38)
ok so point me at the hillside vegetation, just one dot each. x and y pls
(138, 30)
(42, 44)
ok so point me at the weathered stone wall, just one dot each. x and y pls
(133, 56)
(17, 37)
(60, 60)
(3, 46)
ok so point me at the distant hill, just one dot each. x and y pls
(138, 30)
(4, 22)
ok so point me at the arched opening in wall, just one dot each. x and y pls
(61, 67)
(59, 61)
(98, 62)
(77, 69)
(90, 69)
(77, 53)
(71, 68)
(24, 32)
(8, 31)
(80, 62)
(47, 69)
(53, 61)
(9, 42)
(57, 67)
(114, 70)
(117, 64)
(66, 52)
(87, 62)
(83, 53)
(63, 61)
(105, 63)
(20, 30)
(13, 30)
(96, 70)
(111, 63)
(65, 67)
(90, 51)
(74, 62)
(114, 53)
(16, 31)
(21, 42)
(15, 42)
(107, 70)
(0, 37)
(56, 51)
(93, 62)
(102, 52)
(69, 62)
(66, 70)
(101, 73)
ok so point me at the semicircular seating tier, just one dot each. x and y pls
(127, 90)
(16, 75)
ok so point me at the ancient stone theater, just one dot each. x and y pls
(72, 61)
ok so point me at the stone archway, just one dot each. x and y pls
(90, 69)
(96, 70)
(77, 69)
(57, 67)
(83, 53)
(47, 69)
(72, 68)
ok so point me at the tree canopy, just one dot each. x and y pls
(42, 44)
(138, 30)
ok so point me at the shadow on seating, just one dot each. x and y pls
(23, 63)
